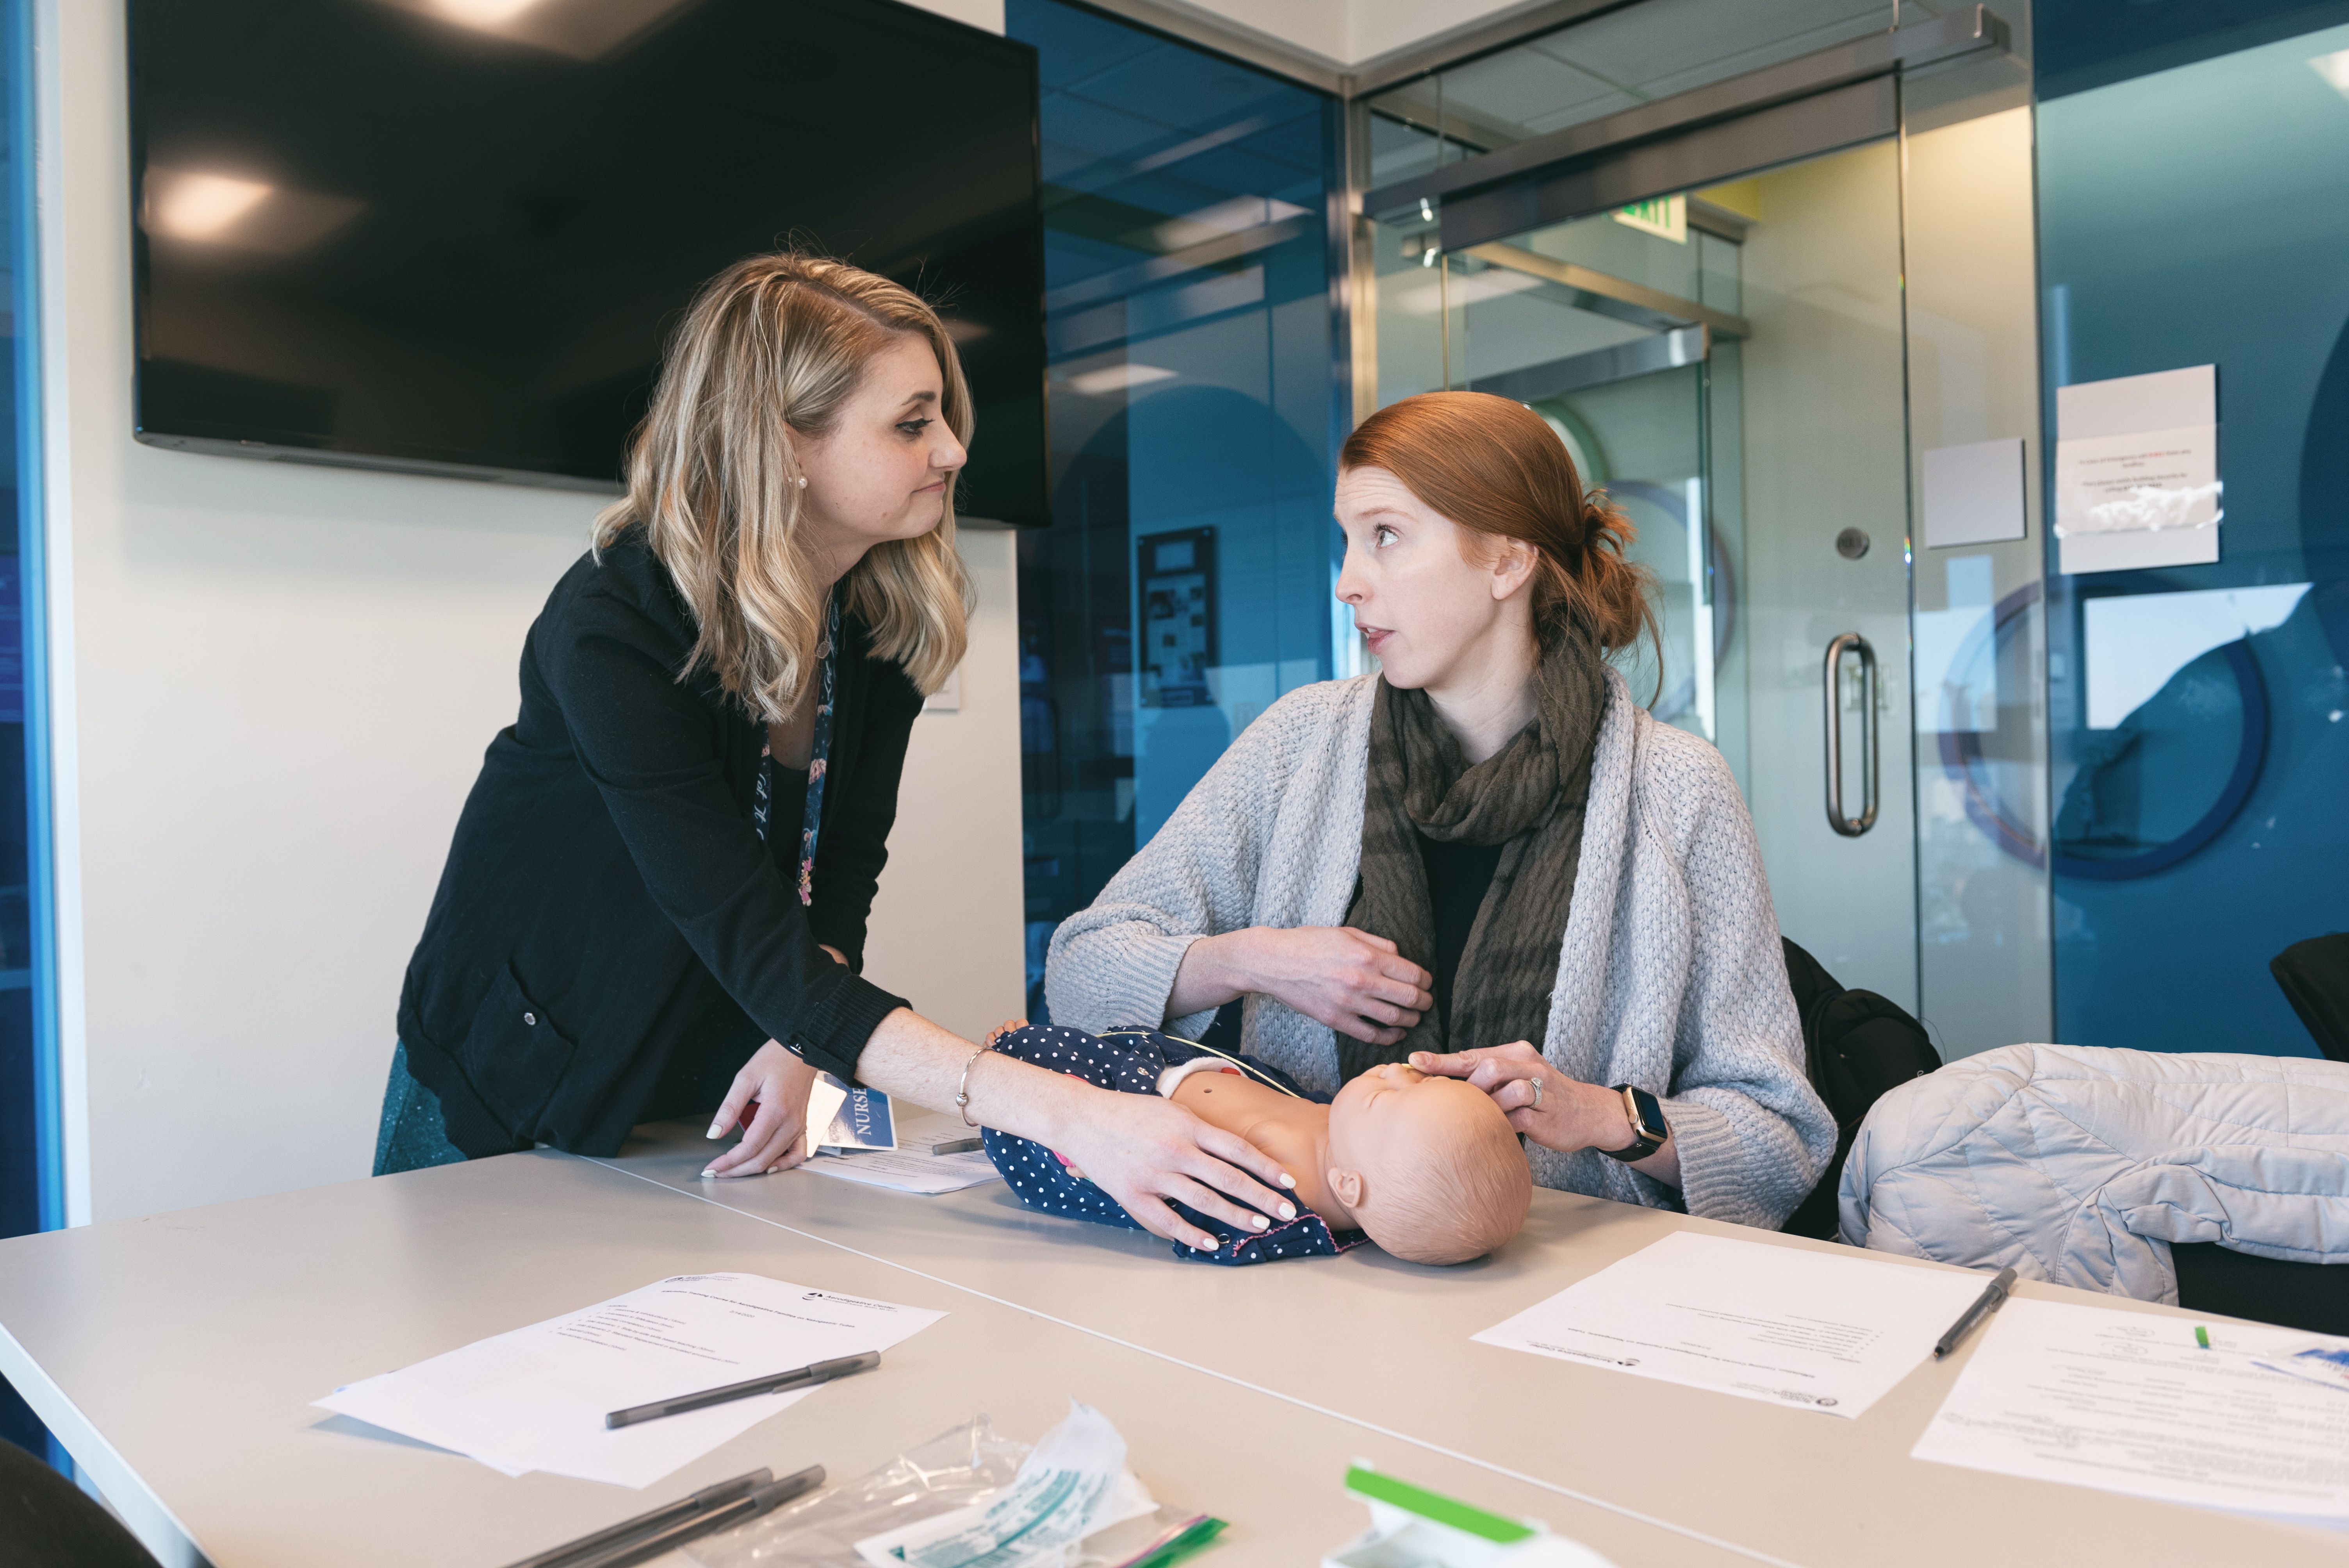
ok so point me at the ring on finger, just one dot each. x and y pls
(1536, 1083)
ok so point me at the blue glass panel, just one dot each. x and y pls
(1185, 582)
(2199, 715)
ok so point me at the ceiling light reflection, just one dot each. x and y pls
(229, 212)
(202, 206)
(482, 13)
(582, 29)
(1117, 378)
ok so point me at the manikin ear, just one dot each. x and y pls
(1348, 1186)
(1512, 566)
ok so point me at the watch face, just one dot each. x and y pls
(1648, 1117)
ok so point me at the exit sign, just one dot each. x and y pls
(1666, 216)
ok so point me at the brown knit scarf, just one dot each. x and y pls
(1528, 796)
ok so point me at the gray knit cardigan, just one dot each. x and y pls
(1671, 976)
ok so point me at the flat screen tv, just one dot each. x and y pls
(450, 235)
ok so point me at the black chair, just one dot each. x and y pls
(46, 1521)
(1858, 1044)
(2315, 975)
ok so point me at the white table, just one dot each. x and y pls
(1386, 1345)
(175, 1357)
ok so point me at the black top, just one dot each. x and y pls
(1458, 876)
(609, 930)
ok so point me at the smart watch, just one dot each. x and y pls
(1648, 1128)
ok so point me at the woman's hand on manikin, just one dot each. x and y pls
(773, 1085)
(1145, 1152)
(1150, 1153)
(1565, 1116)
(1357, 983)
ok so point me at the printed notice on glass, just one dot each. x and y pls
(2137, 471)
(2234, 1416)
(1784, 1325)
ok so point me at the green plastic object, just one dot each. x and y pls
(1193, 1538)
(1435, 1506)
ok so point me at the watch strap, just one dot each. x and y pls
(1649, 1129)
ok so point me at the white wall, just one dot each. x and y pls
(946, 930)
(273, 685)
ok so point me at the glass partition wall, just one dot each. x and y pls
(1757, 371)
(1775, 364)
(2192, 216)
(1196, 399)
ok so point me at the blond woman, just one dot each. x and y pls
(654, 904)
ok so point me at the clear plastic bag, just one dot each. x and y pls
(953, 1470)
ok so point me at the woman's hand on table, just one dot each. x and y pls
(1563, 1114)
(1357, 983)
(776, 1138)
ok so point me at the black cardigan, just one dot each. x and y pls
(608, 916)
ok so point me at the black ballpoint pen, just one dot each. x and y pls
(805, 1376)
(1992, 1297)
(741, 1510)
(571, 1553)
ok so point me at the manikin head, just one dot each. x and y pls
(1429, 1165)
(1470, 538)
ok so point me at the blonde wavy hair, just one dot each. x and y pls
(770, 350)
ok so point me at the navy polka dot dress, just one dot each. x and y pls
(1130, 1061)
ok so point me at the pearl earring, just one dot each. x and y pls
(803, 481)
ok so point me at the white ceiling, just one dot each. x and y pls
(1348, 34)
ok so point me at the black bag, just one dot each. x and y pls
(1859, 1045)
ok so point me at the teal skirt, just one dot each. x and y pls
(412, 1135)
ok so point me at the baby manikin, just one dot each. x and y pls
(1428, 1167)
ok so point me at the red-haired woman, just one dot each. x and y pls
(1488, 861)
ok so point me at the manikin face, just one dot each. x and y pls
(884, 468)
(1429, 611)
(1386, 1120)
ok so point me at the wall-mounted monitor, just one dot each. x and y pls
(450, 235)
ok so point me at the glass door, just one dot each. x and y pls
(1727, 365)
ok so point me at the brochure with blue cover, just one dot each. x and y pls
(840, 1117)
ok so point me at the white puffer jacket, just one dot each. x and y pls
(2080, 1166)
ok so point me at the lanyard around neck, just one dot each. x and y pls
(820, 747)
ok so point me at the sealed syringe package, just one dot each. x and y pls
(969, 1495)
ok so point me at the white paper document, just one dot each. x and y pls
(535, 1398)
(1783, 1324)
(899, 1171)
(2135, 1403)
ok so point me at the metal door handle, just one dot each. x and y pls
(1851, 642)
